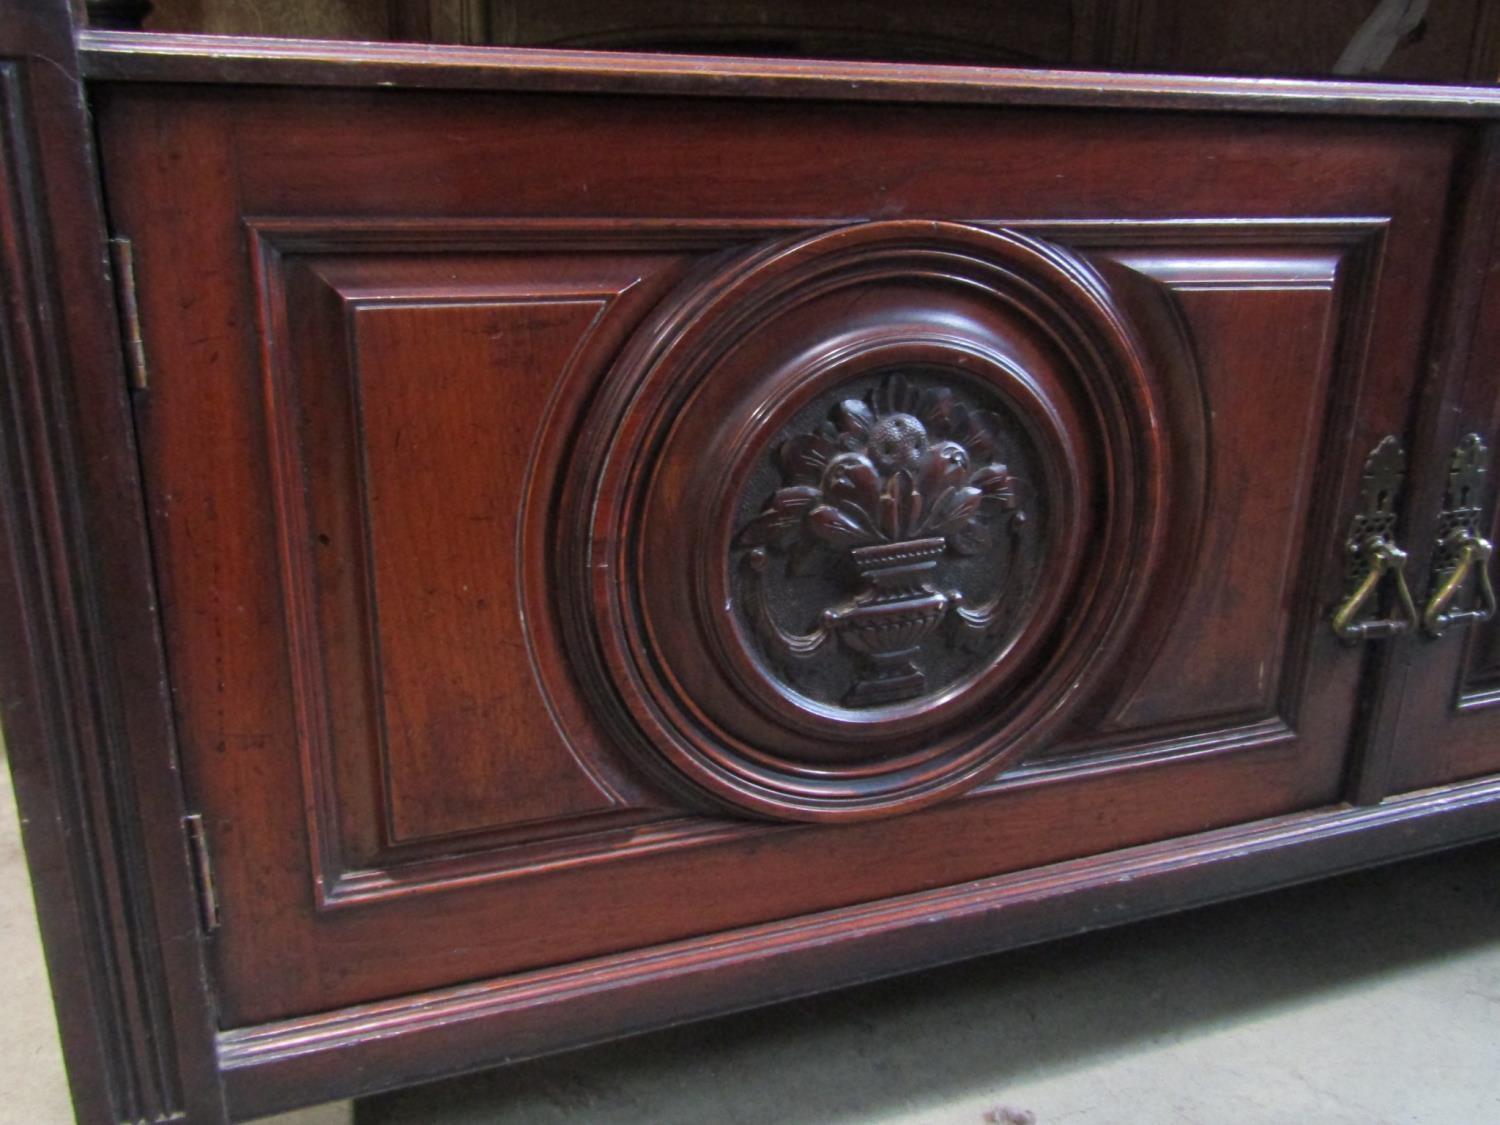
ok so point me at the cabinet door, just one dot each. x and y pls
(588, 523)
(1441, 687)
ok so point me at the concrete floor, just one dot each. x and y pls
(1373, 999)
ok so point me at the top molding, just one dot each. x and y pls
(115, 56)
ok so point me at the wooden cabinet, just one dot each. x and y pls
(545, 532)
(617, 558)
(1438, 41)
(1439, 709)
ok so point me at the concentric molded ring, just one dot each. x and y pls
(869, 513)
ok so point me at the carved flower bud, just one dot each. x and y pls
(897, 442)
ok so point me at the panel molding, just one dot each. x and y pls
(409, 866)
(364, 1049)
(633, 832)
(306, 234)
(335, 882)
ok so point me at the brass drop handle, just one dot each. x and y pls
(1371, 553)
(1471, 553)
(1461, 551)
(1383, 558)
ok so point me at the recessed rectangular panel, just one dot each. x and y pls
(449, 398)
(1256, 327)
(425, 401)
(1264, 357)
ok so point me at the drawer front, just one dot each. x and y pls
(588, 523)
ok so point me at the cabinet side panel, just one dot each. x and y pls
(81, 669)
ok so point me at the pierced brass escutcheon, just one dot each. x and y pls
(1461, 550)
(1370, 551)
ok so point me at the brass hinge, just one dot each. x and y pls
(203, 872)
(122, 255)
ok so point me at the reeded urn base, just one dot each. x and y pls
(889, 619)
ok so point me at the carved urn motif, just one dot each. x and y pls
(860, 515)
(894, 482)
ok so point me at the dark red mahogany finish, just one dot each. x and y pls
(614, 560)
(925, 320)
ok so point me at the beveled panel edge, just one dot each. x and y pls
(221, 59)
(1291, 230)
(306, 233)
(311, 233)
(292, 522)
(634, 840)
(367, 1048)
(354, 307)
(1188, 738)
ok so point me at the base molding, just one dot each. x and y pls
(373, 1047)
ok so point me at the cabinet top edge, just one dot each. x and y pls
(113, 56)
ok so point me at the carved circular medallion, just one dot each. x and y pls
(889, 542)
(865, 515)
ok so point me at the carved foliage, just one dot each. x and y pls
(871, 510)
(890, 482)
